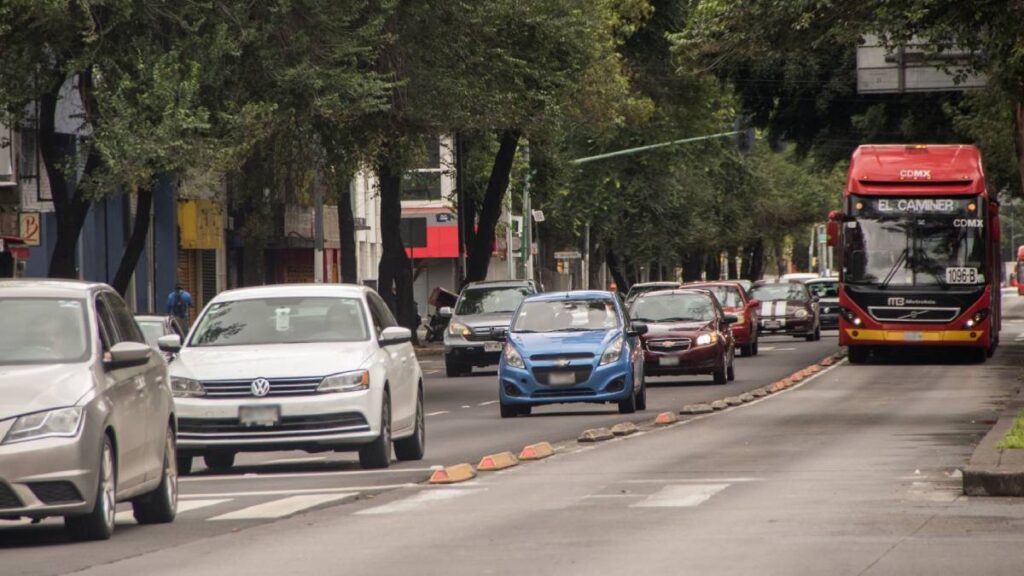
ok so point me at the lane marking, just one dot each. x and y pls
(438, 413)
(765, 348)
(681, 496)
(291, 460)
(785, 349)
(276, 476)
(126, 516)
(487, 403)
(424, 498)
(689, 480)
(283, 507)
(348, 489)
(467, 406)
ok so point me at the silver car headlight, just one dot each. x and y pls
(186, 387)
(459, 329)
(60, 423)
(345, 382)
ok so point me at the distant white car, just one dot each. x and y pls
(798, 277)
(312, 367)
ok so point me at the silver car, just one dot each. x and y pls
(86, 413)
(482, 308)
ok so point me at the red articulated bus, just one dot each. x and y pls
(918, 242)
(1018, 271)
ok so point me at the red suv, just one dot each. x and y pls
(735, 300)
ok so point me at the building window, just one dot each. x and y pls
(421, 185)
(28, 156)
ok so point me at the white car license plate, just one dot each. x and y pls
(669, 361)
(259, 415)
(913, 336)
(772, 324)
(492, 346)
(561, 378)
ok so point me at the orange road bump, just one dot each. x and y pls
(746, 397)
(496, 462)
(760, 392)
(537, 451)
(453, 474)
(624, 429)
(719, 405)
(778, 386)
(666, 418)
(828, 361)
(596, 435)
(697, 409)
(795, 377)
(733, 401)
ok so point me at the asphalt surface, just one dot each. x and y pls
(463, 424)
(854, 471)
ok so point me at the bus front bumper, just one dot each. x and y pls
(861, 336)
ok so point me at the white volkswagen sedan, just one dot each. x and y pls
(312, 367)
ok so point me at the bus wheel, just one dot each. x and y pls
(978, 355)
(858, 354)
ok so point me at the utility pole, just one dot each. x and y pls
(460, 215)
(318, 228)
(509, 253)
(527, 218)
(586, 257)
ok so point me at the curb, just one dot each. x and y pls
(992, 471)
(666, 418)
(495, 462)
(624, 429)
(453, 474)
(537, 451)
(701, 408)
(430, 351)
(595, 435)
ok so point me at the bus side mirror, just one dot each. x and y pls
(832, 228)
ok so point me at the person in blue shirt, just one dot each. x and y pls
(178, 302)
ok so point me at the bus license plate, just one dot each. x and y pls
(913, 336)
(960, 275)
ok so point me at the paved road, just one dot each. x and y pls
(853, 472)
(463, 425)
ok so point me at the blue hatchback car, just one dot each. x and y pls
(571, 347)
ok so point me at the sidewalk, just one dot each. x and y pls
(995, 472)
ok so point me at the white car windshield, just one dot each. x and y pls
(282, 321)
(43, 331)
(566, 316)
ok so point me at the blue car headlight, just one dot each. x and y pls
(613, 352)
(512, 357)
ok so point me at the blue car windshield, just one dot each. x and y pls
(566, 316)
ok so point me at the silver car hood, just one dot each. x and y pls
(33, 388)
(502, 319)
(270, 361)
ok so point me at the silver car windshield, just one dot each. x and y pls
(566, 316)
(491, 300)
(282, 321)
(785, 291)
(43, 331)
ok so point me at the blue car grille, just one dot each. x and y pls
(542, 374)
(568, 356)
(563, 392)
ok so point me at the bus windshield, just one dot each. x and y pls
(893, 242)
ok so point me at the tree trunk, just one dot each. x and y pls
(597, 256)
(754, 264)
(347, 235)
(731, 265)
(137, 241)
(714, 266)
(478, 257)
(615, 269)
(394, 271)
(780, 261)
(1018, 140)
(70, 207)
(693, 267)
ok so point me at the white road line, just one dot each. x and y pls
(345, 490)
(283, 507)
(765, 348)
(689, 480)
(438, 413)
(467, 406)
(275, 476)
(424, 498)
(487, 403)
(681, 496)
(126, 516)
(293, 460)
(785, 349)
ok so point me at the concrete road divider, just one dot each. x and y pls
(719, 405)
(453, 474)
(778, 386)
(828, 361)
(697, 409)
(496, 462)
(746, 397)
(733, 401)
(537, 451)
(666, 418)
(596, 435)
(624, 429)
(760, 393)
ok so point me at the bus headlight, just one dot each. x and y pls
(977, 318)
(851, 317)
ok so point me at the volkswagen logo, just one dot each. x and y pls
(260, 387)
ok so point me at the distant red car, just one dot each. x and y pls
(735, 300)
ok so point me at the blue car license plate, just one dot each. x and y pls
(561, 378)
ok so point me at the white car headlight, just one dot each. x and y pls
(706, 339)
(801, 313)
(345, 382)
(512, 357)
(613, 352)
(63, 423)
(457, 329)
(186, 387)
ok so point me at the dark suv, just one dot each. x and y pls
(482, 306)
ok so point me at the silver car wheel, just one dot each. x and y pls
(171, 471)
(108, 499)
